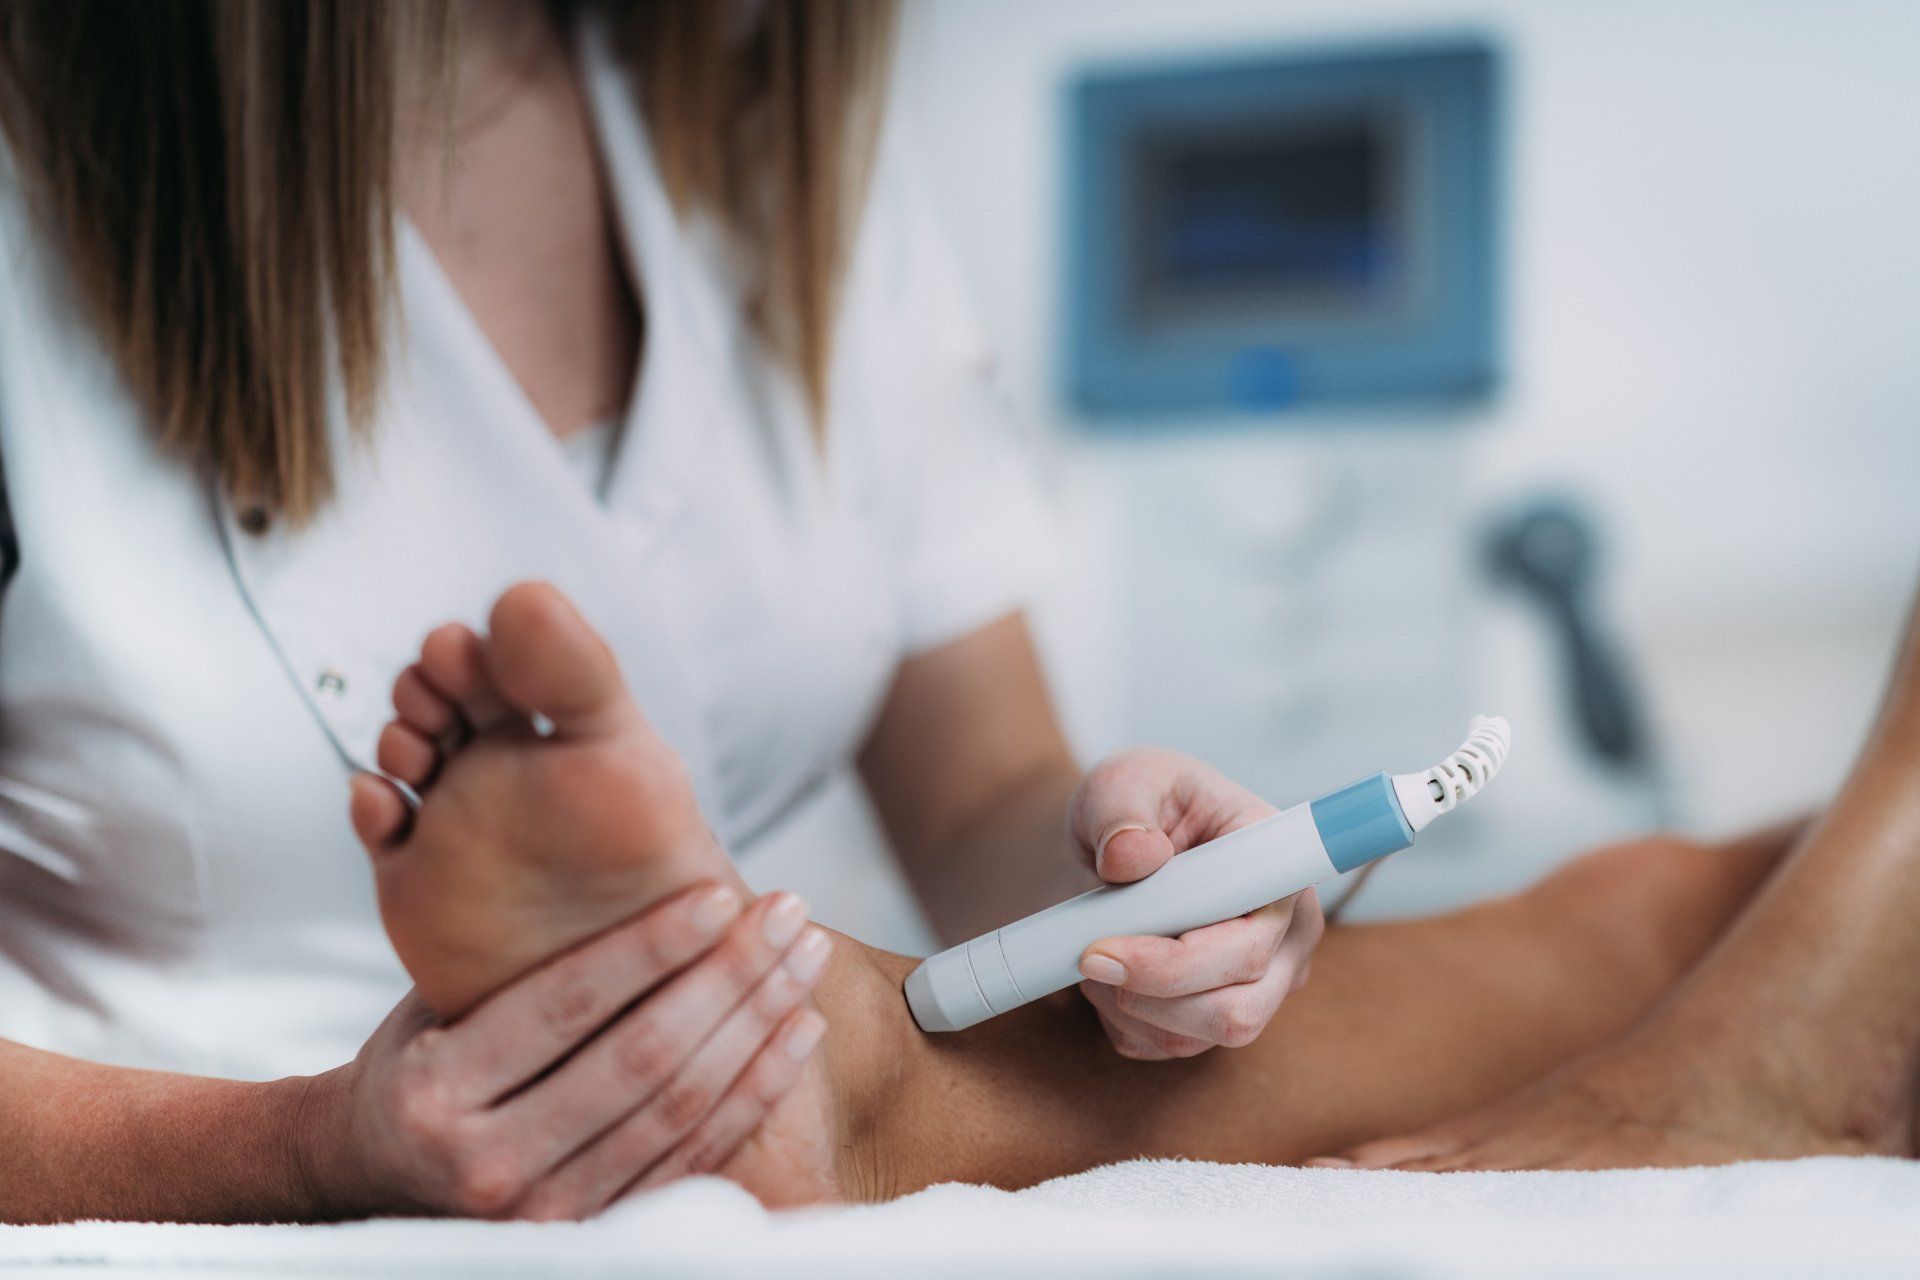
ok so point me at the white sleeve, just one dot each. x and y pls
(969, 536)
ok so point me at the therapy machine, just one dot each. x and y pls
(1275, 857)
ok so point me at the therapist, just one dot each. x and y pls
(299, 358)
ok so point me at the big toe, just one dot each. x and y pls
(546, 659)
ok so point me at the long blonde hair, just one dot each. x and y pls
(218, 177)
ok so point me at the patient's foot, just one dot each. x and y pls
(1696, 1081)
(532, 835)
(1661, 1097)
(524, 843)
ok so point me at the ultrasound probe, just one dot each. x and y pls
(1275, 857)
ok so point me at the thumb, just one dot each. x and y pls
(1116, 813)
(1129, 850)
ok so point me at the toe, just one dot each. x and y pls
(422, 706)
(1451, 1162)
(407, 754)
(1397, 1153)
(453, 662)
(546, 659)
(378, 812)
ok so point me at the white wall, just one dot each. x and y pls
(1714, 305)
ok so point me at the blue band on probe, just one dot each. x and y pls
(1361, 822)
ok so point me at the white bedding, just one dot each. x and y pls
(1829, 1216)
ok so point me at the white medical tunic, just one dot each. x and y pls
(185, 689)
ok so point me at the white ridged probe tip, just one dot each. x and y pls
(1426, 795)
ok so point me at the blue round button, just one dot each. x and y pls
(1261, 379)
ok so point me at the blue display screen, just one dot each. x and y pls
(1305, 217)
(1263, 231)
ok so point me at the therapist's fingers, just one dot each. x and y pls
(1232, 1016)
(453, 661)
(1136, 809)
(1118, 809)
(753, 1097)
(1125, 853)
(671, 1127)
(1194, 1011)
(1133, 1038)
(771, 1077)
(638, 1060)
(523, 1029)
(1215, 955)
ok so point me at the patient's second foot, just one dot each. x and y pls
(1706, 1079)
(1703, 1079)
(1655, 1099)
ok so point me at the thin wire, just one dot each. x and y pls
(1352, 891)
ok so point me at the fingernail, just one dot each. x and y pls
(809, 956)
(1103, 969)
(1330, 1162)
(716, 910)
(804, 1036)
(784, 921)
(1100, 850)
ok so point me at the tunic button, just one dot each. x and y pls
(331, 686)
(254, 520)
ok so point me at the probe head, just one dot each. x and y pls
(1426, 795)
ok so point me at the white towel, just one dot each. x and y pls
(1829, 1216)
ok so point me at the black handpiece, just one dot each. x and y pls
(1547, 550)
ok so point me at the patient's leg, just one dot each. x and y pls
(530, 840)
(1800, 1033)
(1402, 1024)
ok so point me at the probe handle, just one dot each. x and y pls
(1224, 878)
(1219, 880)
(1040, 954)
(1216, 881)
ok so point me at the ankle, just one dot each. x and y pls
(1853, 1091)
(872, 1049)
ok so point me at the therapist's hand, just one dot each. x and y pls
(1218, 985)
(559, 1093)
